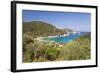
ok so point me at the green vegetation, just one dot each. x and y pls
(37, 51)
(52, 53)
(79, 49)
(39, 28)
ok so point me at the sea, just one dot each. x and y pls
(64, 39)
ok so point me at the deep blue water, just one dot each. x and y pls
(64, 39)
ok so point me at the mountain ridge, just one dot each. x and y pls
(40, 28)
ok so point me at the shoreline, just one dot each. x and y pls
(41, 38)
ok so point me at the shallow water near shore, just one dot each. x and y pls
(64, 39)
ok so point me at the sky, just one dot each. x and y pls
(72, 20)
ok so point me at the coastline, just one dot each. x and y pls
(67, 34)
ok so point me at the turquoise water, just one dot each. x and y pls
(64, 39)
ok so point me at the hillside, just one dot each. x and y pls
(38, 51)
(39, 28)
(67, 30)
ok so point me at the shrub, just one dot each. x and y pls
(52, 53)
(78, 49)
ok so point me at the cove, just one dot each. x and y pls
(64, 39)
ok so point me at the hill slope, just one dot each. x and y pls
(39, 28)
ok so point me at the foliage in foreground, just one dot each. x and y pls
(78, 49)
(35, 51)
